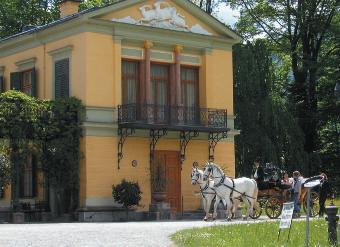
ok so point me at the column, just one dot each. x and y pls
(178, 50)
(147, 49)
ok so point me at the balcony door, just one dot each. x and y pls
(189, 92)
(130, 82)
(130, 90)
(159, 91)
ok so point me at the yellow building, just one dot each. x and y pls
(156, 80)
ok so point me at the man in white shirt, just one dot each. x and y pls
(296, 193)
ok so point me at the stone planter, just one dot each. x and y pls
(46, 216)
(158, 197)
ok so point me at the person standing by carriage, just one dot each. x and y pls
(259, 173)
(296, 192)
(325, 189)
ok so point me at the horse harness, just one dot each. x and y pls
(203, 193)
(232, 189)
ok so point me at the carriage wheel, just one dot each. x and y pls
(273, 208)
(314, 204)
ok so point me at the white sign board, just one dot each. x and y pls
(287, 215)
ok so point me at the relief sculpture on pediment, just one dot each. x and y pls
(163, 15)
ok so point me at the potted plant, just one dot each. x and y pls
(158, 183)
(127, 193)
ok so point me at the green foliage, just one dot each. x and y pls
(267, 127)
(5, 167)
(19, 115)
(88, 4)
(303, 36)
(255, 235)
(15, 14)
(61, 148)
(126, 193)
(49, 129)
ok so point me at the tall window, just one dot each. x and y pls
(130, 81)
(26, 84)
(62, 78)
(189, 92)
(189, 86)
(24, 81)
(159, 84)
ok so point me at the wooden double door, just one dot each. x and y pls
(166, 167)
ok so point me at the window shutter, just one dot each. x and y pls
(62, 78)
(34, 83)
(2, 84)
(16, 81)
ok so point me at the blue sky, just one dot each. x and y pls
(226, 14)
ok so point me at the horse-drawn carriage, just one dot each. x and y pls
(272, 194)
(268, 196)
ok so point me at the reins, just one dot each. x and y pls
(221, 182)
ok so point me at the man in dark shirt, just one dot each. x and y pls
(325, 189)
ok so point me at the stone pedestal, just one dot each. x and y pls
(160, 211)
(46, 216)
(18, 218)
(332, 219)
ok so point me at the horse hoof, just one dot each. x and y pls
(228, 219)
(245, 218)
(205, 219)
(214, 219)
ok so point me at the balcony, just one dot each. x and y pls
(150, 116)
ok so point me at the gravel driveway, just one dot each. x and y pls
(96, 234)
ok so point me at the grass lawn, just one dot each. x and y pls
(253, 235)
(336, 202)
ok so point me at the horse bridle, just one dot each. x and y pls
(205, 187)
(211, 172)
(197, 177)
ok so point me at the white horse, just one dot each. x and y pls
(207, 192)
(232, 189)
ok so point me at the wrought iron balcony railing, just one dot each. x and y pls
(172, 117)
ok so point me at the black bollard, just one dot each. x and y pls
(332, 219)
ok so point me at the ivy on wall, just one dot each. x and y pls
(50, 130)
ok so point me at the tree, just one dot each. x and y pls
(87, 4)
(16, 14)
(60, 148)
(19, 117)
(206, 5)
(267, 127)
(5, 167)
(297, 28)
